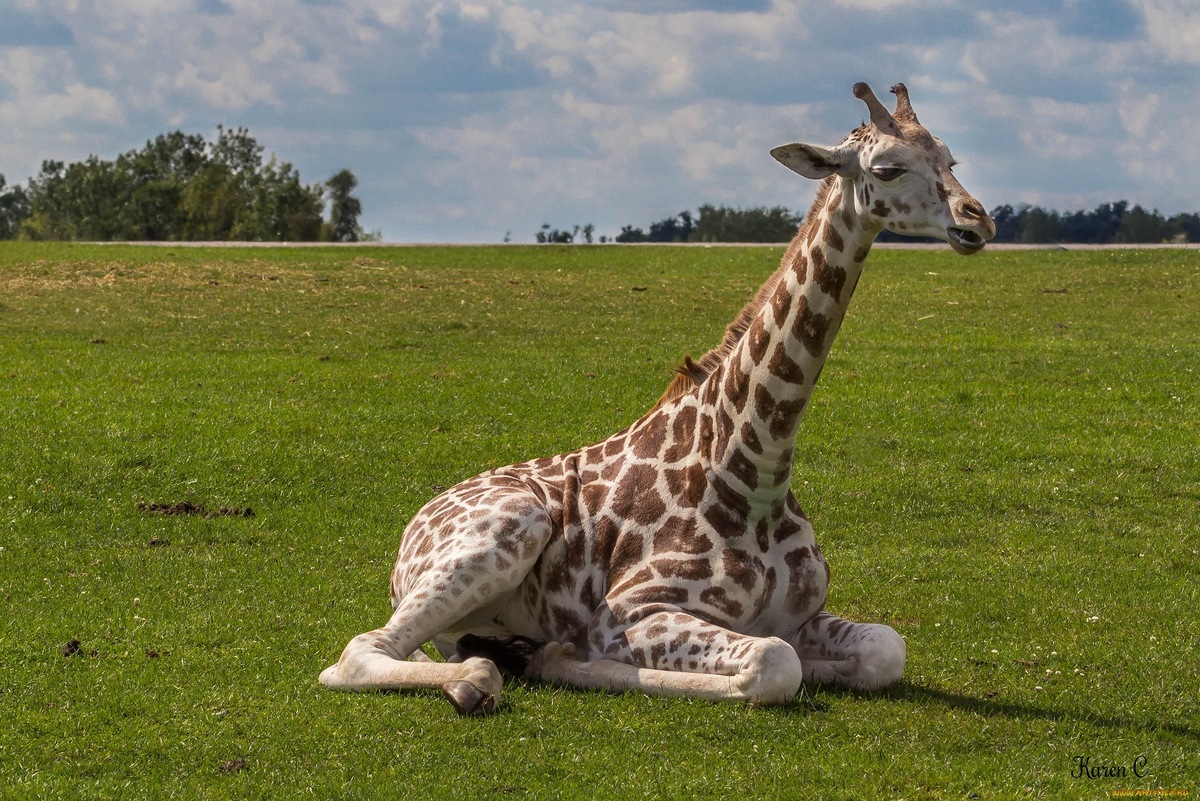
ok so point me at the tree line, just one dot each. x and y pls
(182, 187)
(1107, 224)
(708, 224)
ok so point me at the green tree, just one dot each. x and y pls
(1139, 225)
(158, 177)
(210, 204)
(276, 207)
(1040, 226)
(238, 151)
(758, 224)
(672, 229)
(48, 202)
(629, 234)
(344, 208)
(96, 193)
(553, 236)
(178, 186)
(14, 210)
(1183, 226)
(1008, 223)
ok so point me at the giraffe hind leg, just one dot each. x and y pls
(860, 656)
(451, 593)
(374, 661)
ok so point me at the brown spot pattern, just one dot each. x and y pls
(686, 484)
(750, 437)
(784, 367)
(742, 568)
(831, 236)
(781, 302)
(680, 535)
(849, 218)
(801, 592)
(724, 520)
(764, 403)
(648, 440)
(719, 599)
(635, 498)
(684, 425)
(758, 340)
(744, 470)
(652, 593)
(737, 389)
(685, 569)
(830, 279)
(784, 419)
(810, 328)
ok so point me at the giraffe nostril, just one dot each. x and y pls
(973, 210)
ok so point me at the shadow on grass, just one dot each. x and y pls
(807, 702)
(815, 700)
(929, 696)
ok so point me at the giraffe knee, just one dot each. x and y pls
(772, 674)
(881, 656)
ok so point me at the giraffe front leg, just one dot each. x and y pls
(861, 656)
(369, 662)
(671, 653)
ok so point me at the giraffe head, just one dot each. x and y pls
(901, 176)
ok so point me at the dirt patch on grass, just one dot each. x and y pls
(75, 648)
(198, 509)
(46, 275)
(232, 766)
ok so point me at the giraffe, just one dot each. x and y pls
(672, 558)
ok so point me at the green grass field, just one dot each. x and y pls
(1002, 462)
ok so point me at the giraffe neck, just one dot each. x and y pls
(758, 394)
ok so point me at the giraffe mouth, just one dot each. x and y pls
(964, 241)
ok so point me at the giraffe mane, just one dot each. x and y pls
(693, 373)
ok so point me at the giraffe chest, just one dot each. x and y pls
(641, 520)
(762, 581)
(605, 566)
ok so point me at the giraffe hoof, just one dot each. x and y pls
(548, 660)
(469, 700)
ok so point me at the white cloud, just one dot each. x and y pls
(875, 5)
(1173, 27)
(1138, 110)
(466, 118)
(46, 94)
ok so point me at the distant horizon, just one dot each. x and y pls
(880, 245)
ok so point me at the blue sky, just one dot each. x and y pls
(467, 120)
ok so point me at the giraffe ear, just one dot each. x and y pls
(814, 161)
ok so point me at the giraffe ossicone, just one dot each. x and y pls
(672, 558)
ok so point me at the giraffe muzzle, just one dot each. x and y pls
(965, 241)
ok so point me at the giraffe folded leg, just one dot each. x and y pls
(688, 658)
(445, 596)
(861, 656)
(369, 662)
(376, 660)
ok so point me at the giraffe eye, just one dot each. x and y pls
(886, 173)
